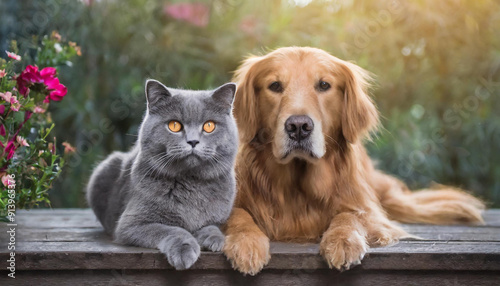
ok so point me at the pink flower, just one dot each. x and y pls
(46, 76)
(2, 130)
(58, 90)
(68, 149)
(48, 73)
(2, 73)
(196, 14)
(39, 109)
(22, 141)
(13, 56)
(23, 89)
(5, 179)
(31, 74)
(12, 99)
(2, 109)
(7, 96)
(14, 104)
(56, 36)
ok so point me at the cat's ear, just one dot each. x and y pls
(155, 91)
(224, 95)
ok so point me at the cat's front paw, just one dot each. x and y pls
(211, 238)
(182, 252)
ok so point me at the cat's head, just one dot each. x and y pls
(188, 132)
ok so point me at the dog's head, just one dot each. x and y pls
(302, 101)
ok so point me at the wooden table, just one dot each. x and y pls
(69, 247)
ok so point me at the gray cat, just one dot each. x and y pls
(177, 184)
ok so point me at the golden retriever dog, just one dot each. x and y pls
(303, 173)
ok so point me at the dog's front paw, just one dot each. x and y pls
(181, 251)
(211, 238)
(385, 234)
(343, 250)
(248, 252)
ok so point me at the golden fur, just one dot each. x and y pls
(333, 195)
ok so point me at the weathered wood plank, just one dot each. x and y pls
(53, 218)
(462, 234)
(57, 211)
(265, 278)
(435, 233)
(81, 225)
(105, 245)
(410, 255)
(453, 229)
(73, 239)
(492, 217)
(47, 218)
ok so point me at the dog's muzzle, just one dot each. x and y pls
(299, 127)
(301, 137)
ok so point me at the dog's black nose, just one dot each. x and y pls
(193, 143)
(299, 127)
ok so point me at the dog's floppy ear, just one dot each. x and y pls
(360, 116)
(245, 101)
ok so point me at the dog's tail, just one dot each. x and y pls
(437, 205)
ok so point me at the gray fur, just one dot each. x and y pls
(164, 193)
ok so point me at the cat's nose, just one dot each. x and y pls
(193, 143)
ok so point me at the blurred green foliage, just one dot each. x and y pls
(437, 65)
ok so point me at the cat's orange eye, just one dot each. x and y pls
(209, 126)
(174, 126)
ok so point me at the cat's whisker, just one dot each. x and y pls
(153, 167)
(168, 161)
(213, 165)
(217, 168)
(148, 171)
(132, 165)
(222, 167)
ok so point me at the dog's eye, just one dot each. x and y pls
(323, 86)
(276, 86)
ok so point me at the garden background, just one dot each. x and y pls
(437, 67)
